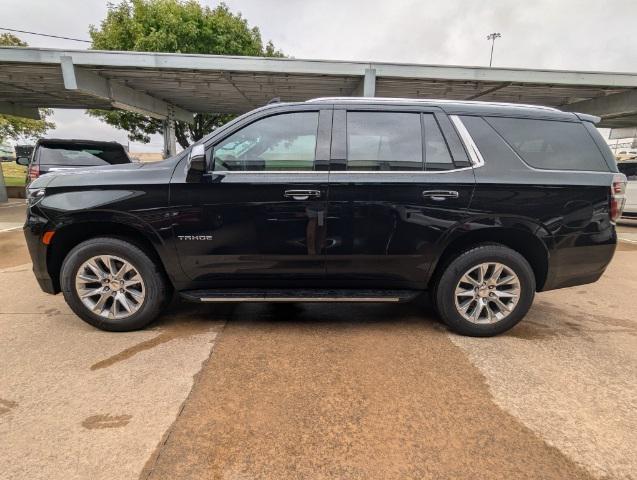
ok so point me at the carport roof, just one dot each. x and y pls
(157, 83)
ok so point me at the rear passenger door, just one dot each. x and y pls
(399, 179)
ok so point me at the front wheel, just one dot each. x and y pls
(112, 284)
(485, 291)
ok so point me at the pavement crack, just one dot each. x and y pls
(176, 331)
(106, 421)
(152, 462)
(7, 405)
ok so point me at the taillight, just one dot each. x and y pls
(34, 172)
(617, 196)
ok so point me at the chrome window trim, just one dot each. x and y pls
(430, 102)
(398, 172)
(267, 172)
(340, 172)
(477, 160)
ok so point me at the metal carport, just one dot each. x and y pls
(174, 86)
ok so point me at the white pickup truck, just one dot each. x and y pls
(629, 168)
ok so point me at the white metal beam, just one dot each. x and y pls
(170, 61)
(119, 95)
(170, 140)
(367, 85)
(15, 109)
(618, 104)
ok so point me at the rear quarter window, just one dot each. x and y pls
(550, 144)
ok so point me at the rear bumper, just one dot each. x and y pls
(579, 260)
(33, 230)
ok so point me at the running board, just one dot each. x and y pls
(239, 295)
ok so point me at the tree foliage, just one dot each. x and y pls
(178, 27)
(10, 40)
(17, 128)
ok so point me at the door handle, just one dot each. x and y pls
(440, 195)
(302, 194)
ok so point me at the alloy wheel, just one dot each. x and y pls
(487, 293)
(110, 286)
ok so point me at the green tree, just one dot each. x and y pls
(179, 27)
(16, 128)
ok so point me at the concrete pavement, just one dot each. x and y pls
(569, 370)
(627, 230)
(78, 403)
(12, 215)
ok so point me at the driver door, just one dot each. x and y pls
(258, 217)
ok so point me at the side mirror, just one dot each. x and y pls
(196, 166)
(24, 161)
(198, 154)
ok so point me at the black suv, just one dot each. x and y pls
(54, 155)
(339, 200)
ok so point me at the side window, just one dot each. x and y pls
(550, 144)
(281, 142)
(437, 156)
(384, 141)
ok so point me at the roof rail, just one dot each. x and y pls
(426, 100)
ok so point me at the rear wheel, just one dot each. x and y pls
(112, 284)
(485, 291)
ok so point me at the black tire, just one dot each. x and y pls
(444, 292)
(156, 291)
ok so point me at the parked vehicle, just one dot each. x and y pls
(23, 151)
(339, 200)
(7, 154)
(54, 155)
(629, 169)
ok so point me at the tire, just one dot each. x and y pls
(144, 298)
(486, 294)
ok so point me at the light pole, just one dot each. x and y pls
(492, 37)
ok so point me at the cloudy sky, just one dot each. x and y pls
(555, 34)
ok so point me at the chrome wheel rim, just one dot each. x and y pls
(487, 293)
(110, 287)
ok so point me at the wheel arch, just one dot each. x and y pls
(70, 235)
(523, 241)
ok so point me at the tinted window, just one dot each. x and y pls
(628, 169)
(384, 141)
(280, 142)
(437, 156)
(81, 155)
(551, 144)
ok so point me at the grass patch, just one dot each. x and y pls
(14, 181)
(14, 174)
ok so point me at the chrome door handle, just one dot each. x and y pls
(440, 195)
(302, 194)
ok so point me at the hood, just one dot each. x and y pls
(99, 170)
(109, 175)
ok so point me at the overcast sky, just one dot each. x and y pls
(554, 34)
